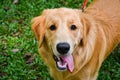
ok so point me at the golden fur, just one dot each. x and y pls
(97, 34)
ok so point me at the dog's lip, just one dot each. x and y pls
(64, 62)
(61, 65)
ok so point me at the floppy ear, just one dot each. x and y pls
(86, 27)
(38, 28)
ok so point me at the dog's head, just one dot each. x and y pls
(63, 31)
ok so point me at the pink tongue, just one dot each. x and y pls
(69, 61)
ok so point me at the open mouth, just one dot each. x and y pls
(64, 62)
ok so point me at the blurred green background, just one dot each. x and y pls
(19, 59)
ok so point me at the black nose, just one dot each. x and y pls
(63, 48)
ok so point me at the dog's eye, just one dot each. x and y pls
(52, 27)
(73, 27)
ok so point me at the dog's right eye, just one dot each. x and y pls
(52, 27)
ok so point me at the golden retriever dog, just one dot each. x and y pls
(73, 43)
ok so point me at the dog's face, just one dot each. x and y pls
(63, 31)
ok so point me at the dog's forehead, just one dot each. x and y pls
(60, 13)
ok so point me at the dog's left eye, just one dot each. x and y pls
(73, 27)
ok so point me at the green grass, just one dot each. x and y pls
(17, 40)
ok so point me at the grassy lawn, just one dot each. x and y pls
(19, 59)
